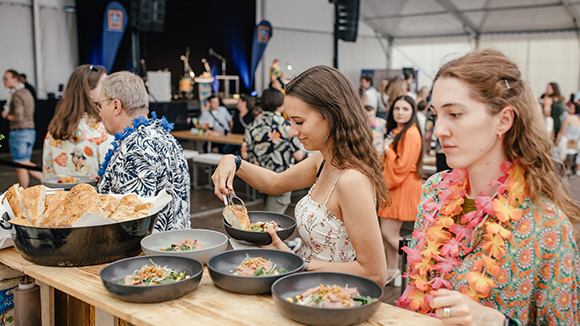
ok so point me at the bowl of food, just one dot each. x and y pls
(149, 279)
(67, 181)
(327, 298)
(198, 244)
(252, 271)
(258, 235)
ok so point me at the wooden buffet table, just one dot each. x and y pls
(206, 305)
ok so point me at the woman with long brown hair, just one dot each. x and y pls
(493, 242)
(553, 103)
(336, 220)
(76, 142)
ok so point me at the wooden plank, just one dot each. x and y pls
(47, 304)
(60, 307)
(78, 312)
(103, 318)
(205, 305)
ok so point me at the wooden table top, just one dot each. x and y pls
(206, 305)
(236, 139)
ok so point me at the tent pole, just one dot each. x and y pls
(41, 92)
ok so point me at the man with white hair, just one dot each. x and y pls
(145, 157)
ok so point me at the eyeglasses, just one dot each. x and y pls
(94, 68)
(98, 103)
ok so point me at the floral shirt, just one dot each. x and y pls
(538, 283)
(145, 160)
(269, 142)
(81, 155)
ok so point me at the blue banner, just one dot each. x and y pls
(114, 25)
(262, 35)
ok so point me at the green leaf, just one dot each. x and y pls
(259, 271)
(122, 282)
(360, 300)
(282, 270)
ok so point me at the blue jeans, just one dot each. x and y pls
(21, 143)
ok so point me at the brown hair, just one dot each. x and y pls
(496, 81)
(392, 124)
(331, 94)
(76, 102)
(556, 95)
(271, 99)
(397, 87)
(14, 73)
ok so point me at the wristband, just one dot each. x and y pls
(510, 321)
(238, 162)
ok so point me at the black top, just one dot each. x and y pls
(240, 123)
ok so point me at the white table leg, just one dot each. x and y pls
(46, 304)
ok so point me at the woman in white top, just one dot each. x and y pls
(76, 142)
(568, 140)
(337, 220)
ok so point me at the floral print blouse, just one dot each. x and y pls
(324, 237)
(538, 284)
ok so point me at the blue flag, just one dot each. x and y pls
(262, 35)
(114, 25)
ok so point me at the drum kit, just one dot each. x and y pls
(188, 80)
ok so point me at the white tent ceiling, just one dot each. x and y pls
(401, 19)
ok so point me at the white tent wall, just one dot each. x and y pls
(57, 40)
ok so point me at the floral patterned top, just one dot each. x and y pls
(538, 284)
(324, 237)
(82, 155)
(269, 142)
(145, 160)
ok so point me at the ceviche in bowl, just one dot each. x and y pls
(198, 244)
(327, 298)
(252, 271)
(147, 279)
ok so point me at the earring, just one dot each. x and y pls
(499, 136)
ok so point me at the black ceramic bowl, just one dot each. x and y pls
(286, 223)
(151, 293)
(79, 246)
(223, 265)
(292, 285)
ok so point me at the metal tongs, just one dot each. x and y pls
(229, 200)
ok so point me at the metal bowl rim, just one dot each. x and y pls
(182, 252)
(254, 277)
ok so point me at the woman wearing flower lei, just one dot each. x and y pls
(145, 158)
(493, 243)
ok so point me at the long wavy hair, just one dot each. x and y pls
(76, 102)
(331, 94)
(556, 95)
(392, 124)
(496, 81)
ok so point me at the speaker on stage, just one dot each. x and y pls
(148, 15)
(346, 19)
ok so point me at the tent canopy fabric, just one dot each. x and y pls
(404, 19)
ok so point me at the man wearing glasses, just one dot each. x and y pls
(19, 110)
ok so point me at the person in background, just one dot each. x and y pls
(217, 117)
(568, 139)
(337, 221)
(383, 101)
(553, 106)
(247, 112)
(19, 110)
(397, 87)
(145, 158)
(379, 129)
(275, 71)
(76, 142)
(403, 173)
(412, 84)
(268, 144)
(276, 83)
(493, 243)
(22, 78)
(421, 118)
(370, 95)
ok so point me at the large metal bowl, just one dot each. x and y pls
(79, 246)
(214, 242)
(151, 293)
(222, 267)
(286, 223)
(292, 285)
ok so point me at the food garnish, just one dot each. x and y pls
(263, 226)
(334, 296)
(152, 275)
(185, 245)
(258, 266)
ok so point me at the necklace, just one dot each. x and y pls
(439, 245)
(119, 136)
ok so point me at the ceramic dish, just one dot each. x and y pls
(286, 223)
(52, 182)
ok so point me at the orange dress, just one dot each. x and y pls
(401, 177)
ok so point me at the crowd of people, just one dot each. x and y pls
(493, 240)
